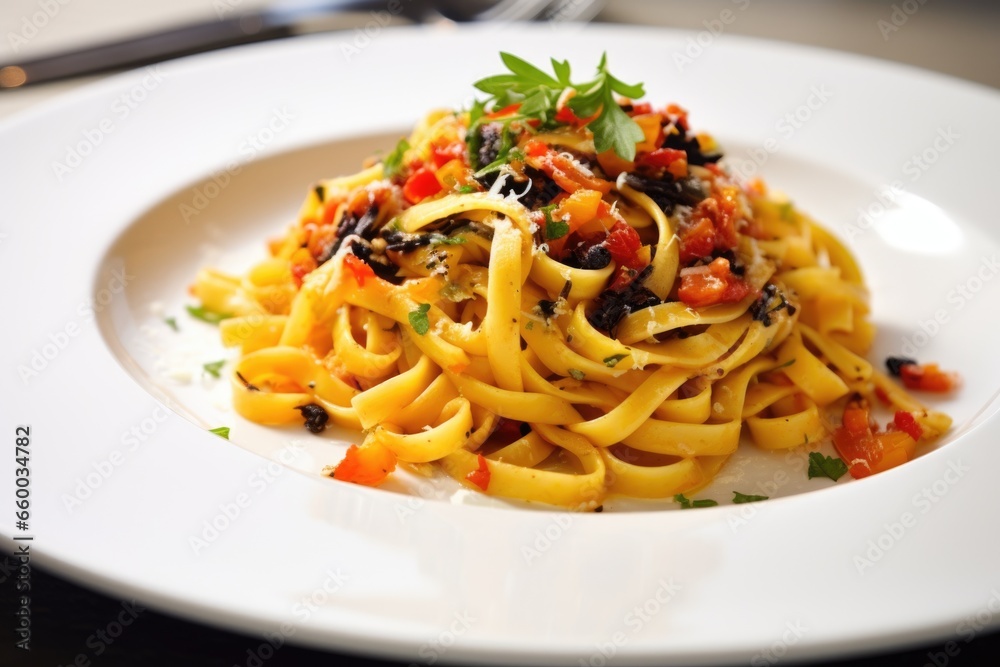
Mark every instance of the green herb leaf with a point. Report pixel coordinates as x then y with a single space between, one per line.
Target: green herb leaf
740 498
786 364
530 325
538 94
221 431
826 466
206 315
614 129
468 189
554 229
418 319
441 239
576 374
613 360
213 368
393 163
172 323
786 210
527 71
687 503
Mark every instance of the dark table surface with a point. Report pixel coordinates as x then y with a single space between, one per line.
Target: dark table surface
66 617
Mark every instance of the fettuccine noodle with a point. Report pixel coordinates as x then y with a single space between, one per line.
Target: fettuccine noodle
560 327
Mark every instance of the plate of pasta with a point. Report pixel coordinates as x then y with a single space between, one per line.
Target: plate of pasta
566 357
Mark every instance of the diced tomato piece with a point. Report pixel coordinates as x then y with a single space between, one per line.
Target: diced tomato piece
663 157
359 269
421 184
302 264
508 110
855 420
442 155
639 108
671 159
928 377
867 452
882 396
907 423
570 176
679 115
481 476
566 115
579 208
623 243
714 285
721 210
697 241
622 278
535 148
369 464
330 211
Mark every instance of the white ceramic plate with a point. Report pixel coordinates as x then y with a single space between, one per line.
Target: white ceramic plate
114 195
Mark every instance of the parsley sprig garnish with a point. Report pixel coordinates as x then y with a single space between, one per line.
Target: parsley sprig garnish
538 93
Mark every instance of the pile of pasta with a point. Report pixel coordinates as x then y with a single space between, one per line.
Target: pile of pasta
558 325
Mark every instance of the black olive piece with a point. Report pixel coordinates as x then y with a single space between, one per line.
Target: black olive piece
315 416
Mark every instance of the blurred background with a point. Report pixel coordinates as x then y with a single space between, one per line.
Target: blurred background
957 38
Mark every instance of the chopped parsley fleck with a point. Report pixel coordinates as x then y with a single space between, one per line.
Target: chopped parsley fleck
576 374
206 315
786 211
786 364
740 498
826 466
213 367
613 360
687 503
172 323
467 189
418 319
530 325
441 239
554 229
393 162
221 431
